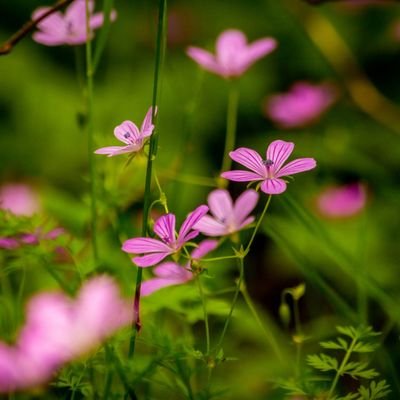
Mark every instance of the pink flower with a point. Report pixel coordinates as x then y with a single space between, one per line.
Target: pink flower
301 105
156 250
227 217
268 171
31 239
129 134
19 198
59 329
70 28
233 54
170 273
342 201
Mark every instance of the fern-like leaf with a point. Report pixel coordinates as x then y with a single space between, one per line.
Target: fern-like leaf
322 362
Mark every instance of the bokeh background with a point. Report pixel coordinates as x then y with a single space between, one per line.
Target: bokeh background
354 46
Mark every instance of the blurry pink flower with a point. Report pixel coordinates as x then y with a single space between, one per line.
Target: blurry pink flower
342 201
19 198
227 217
268 171
301 105
233 54
129 134
29 238
70 28
59 329
170 273
156 250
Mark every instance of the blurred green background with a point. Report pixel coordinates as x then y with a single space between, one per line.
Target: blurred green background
42 143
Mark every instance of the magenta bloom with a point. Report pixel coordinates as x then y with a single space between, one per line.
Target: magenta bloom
129 134
19 198
58 29
156 250
342 201
271 170
170 273
301 105
233 54
59 329
227 217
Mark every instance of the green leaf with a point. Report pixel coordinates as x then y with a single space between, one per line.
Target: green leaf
339 345
322 362
375 391
359 370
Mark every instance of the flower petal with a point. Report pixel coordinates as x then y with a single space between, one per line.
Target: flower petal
244 205
278 152
75 14
241 176
52 24
204 59
127 132
230 49
273 186
97 19
147 126
169 270
144 245
150 259
259 49
296 166
115 150
188 224
164 227
250 159
211 227
48 39
220 203
204 248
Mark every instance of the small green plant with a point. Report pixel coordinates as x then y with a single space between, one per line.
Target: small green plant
350 341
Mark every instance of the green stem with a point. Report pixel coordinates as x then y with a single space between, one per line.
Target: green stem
299 334
204 303
339 372
160 49
234 301
268 334
231 120
92 166
109 376
258 225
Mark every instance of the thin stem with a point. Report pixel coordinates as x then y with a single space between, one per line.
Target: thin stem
109 376
299 334
234 300
258 225
204 303
160 49
267 333
90 132
339 372
231 120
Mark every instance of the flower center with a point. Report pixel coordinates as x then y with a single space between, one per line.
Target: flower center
127 135
268 163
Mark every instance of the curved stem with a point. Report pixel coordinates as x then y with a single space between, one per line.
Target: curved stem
160 46
231 119
92 166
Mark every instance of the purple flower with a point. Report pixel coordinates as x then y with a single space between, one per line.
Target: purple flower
156 250
233 54
59 329
301 105
31 239
227 217
58 29
268 171
129 134
170 273
342 201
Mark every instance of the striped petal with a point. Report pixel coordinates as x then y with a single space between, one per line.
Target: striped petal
241 176
165 228
144 245
273 186
149 260
127 132
250 159
296 166
278 152
188 224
